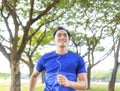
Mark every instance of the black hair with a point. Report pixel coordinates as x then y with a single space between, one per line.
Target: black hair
61 28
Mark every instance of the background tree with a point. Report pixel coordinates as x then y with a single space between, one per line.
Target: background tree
32 51
34 48
116 42
115 69
20 21
94 20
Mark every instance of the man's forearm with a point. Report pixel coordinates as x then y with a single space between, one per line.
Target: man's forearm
32 83
82 85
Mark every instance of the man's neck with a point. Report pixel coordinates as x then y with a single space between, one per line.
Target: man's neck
61 50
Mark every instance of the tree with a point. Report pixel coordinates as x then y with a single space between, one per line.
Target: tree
114 72
32 51
116 42
94 19
20 21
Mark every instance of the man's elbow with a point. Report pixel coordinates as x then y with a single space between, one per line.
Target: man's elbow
85 86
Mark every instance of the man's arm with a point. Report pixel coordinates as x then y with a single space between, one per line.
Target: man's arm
33 80
81 84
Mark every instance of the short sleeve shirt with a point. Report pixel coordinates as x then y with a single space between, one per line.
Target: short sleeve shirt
68 64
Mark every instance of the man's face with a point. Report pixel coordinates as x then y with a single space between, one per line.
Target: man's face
61 38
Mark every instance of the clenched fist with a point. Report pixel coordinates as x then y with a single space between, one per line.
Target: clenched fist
62 80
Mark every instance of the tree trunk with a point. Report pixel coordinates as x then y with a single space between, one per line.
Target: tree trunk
111 86
15 74
42 76
31 68
89 76
31 71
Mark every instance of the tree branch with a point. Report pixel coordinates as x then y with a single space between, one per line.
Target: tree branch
47 22
39 41
11 11
4 52
105 56
31 10
45 11
6 22
24 61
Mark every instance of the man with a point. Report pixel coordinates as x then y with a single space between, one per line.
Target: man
64 70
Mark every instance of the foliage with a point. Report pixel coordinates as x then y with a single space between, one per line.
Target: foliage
100 48
103 76
100 75
4 75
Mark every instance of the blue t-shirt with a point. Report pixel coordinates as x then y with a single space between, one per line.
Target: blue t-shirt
68 64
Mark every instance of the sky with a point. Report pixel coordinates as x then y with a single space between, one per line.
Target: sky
4 64
5 67
105 65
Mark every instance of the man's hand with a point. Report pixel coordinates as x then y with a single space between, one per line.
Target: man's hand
62 80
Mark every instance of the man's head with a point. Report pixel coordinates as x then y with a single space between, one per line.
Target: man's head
61 28
61 37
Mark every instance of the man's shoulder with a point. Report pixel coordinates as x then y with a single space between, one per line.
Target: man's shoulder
74 54
48 53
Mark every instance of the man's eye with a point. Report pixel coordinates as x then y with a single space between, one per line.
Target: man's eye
65 35
59 35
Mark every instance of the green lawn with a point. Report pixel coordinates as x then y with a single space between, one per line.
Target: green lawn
4 86
37 88
94 87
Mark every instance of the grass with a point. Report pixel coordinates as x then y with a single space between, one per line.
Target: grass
102 86
4 86
94 87
39 87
